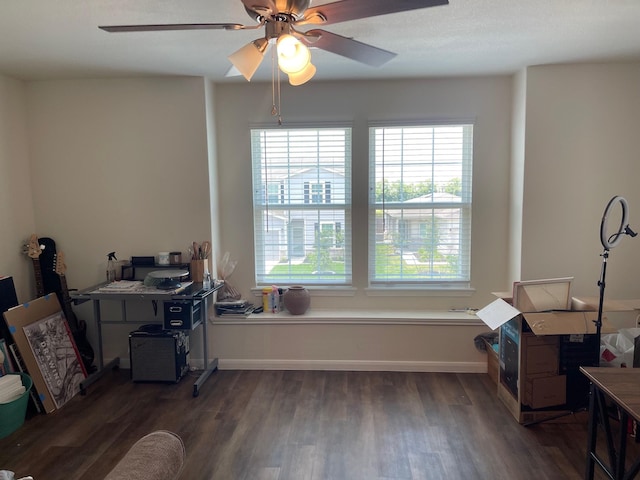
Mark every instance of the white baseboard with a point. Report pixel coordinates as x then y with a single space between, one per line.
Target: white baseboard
351 365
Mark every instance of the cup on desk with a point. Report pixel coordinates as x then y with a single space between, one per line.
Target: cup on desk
120 264
163 258
198 269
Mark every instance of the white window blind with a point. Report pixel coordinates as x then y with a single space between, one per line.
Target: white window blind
302 205
420 204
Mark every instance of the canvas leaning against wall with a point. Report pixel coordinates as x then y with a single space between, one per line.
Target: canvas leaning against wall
52 346
19 320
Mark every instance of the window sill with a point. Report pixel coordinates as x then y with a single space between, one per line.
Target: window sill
357 317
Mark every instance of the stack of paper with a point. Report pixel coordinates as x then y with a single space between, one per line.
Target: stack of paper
10 388
238 308
122 286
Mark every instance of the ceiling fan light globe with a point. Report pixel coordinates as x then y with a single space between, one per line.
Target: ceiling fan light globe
248 58
293 55
287 45
299 78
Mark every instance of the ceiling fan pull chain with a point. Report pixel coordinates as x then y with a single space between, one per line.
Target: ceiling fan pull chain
275 88
274 109
279 101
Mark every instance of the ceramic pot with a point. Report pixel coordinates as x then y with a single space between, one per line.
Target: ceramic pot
296 299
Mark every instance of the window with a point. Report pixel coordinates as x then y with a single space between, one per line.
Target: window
275 192
302 205
420 204
317 192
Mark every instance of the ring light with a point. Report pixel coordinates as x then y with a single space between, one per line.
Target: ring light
608 242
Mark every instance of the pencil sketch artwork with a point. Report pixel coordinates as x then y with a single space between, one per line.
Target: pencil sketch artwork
53 348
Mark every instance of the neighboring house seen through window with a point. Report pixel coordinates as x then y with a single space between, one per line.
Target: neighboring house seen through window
302 205
420 204
317 192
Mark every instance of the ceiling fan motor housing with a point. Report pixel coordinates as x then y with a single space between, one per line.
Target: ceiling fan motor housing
276 28
261 8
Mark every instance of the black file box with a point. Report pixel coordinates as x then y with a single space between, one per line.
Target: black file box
158 356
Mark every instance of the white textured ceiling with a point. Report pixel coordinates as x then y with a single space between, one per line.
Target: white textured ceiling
46 39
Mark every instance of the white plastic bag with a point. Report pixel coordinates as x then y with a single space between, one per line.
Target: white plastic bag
226 266
616 349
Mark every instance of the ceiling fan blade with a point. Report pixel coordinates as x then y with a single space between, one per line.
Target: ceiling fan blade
172 26
345 10
347 47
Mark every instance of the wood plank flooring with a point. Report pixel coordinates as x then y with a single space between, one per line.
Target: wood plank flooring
298 425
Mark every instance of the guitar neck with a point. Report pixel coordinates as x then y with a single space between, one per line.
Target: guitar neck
65 292
37 271
66 305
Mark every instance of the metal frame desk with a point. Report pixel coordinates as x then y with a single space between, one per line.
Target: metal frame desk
622 387
193 293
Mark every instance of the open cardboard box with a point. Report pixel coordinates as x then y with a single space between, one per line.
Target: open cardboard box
548 308
542 344
21 316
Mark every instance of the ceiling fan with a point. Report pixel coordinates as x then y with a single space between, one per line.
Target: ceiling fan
280 19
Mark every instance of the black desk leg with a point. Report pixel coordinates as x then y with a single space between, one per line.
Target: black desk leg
616 448
622 444
592 434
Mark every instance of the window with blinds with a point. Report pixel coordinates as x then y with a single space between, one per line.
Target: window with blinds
302 205
420 204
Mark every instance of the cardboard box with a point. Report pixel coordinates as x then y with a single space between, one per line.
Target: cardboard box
541 354
592 303
534 366
545 391
21 316
542 295
492 362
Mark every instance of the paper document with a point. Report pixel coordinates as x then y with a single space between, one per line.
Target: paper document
497 313
138 288
121 286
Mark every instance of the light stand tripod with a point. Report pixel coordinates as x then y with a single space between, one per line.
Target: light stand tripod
608 242
598 322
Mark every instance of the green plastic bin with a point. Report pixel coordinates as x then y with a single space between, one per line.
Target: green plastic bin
12 414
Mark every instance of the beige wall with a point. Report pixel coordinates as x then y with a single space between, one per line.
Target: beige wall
16 204
349 346
117 165
143 165
581 150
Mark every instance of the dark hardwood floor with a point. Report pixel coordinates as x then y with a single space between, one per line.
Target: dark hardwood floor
303 425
